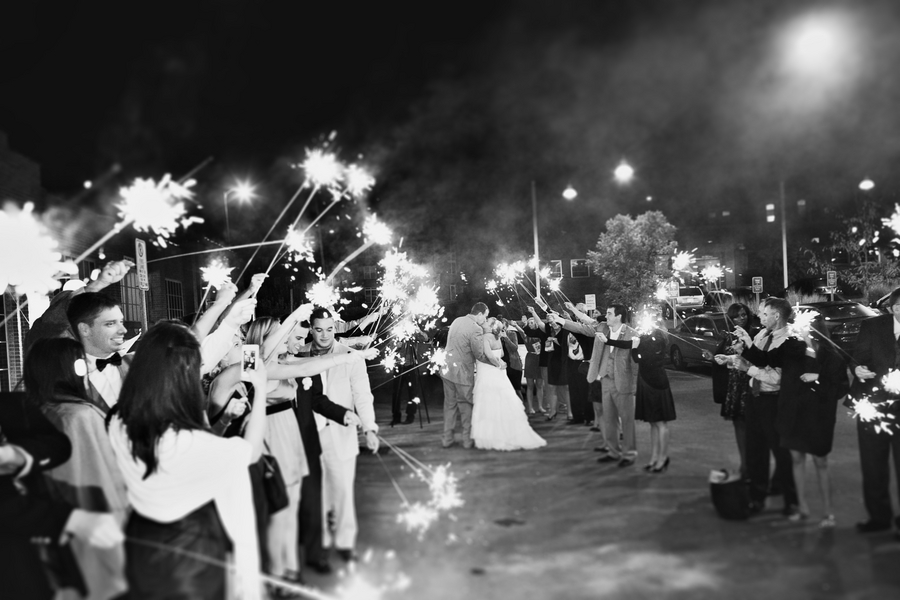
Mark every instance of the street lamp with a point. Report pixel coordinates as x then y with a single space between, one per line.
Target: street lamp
243 191
624 173
866 184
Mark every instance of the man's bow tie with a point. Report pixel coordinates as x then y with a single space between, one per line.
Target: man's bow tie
115 360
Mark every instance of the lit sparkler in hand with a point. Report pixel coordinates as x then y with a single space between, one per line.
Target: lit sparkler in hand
376 232
29 260
323 294
298 246
358 181
216 274
438 361
712 274
646 323
870 412
683 261
802 323
156 208
322 169
391 360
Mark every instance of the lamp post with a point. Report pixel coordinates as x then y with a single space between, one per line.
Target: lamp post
244 192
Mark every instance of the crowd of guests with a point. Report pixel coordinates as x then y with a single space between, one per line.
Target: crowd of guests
178 470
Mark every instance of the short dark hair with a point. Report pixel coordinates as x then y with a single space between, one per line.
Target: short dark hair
478 308
162 390
50 370
894 298
780 305
620 310
85 307
319 313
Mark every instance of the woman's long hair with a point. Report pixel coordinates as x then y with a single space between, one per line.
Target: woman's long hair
260 329
162 390
50 370
733 311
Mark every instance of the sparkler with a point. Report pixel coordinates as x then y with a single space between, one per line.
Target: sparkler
299 246
322 168
646 323
358 181
802 323
216 274
374 232
438 361
869 412
29 259
894 220
323 294
683 261
156 208
712 274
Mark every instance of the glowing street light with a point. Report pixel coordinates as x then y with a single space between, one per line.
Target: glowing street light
569 193
624 172
243 191
866 184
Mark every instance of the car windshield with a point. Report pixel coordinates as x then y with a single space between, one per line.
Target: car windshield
690 291
850 310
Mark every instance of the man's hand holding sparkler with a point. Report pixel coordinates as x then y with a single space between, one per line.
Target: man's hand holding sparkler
111 273
226 294
602 337
743 336
863 373
372 441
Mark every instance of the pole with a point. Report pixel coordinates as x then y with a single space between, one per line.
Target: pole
537 255
227 225
784 237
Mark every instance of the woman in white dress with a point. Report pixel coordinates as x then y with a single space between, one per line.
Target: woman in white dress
499 421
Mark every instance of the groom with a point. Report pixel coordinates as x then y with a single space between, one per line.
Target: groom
465 345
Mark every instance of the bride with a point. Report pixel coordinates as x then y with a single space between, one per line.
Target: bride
499 421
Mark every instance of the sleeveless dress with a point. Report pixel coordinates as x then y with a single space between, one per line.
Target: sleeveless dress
499 421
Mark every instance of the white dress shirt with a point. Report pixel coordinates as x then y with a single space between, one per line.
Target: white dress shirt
108 382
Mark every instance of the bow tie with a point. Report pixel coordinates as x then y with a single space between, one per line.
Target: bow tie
115 360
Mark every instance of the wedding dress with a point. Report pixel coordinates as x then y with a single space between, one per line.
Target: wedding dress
499 421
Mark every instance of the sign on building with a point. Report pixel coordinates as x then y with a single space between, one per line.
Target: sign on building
757 285
140 253
590 301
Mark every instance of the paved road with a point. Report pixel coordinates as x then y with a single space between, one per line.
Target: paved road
555 524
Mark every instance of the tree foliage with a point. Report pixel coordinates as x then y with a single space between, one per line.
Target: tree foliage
626 255
850 250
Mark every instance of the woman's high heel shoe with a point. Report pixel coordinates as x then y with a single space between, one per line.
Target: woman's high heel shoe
648 466
661 468
551 417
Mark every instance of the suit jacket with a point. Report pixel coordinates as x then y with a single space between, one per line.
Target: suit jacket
314 400
876 349
348 386
31 516
624 371
465 345
513 360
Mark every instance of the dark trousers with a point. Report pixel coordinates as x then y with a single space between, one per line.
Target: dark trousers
579 391
410 383
515 378
875 451
762 438
310 520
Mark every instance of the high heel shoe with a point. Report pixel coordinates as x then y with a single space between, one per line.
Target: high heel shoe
661 468
551 417
648 466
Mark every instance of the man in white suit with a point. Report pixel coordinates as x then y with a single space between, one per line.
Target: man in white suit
347 385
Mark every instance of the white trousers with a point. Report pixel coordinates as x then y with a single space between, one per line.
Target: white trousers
282 535
338 477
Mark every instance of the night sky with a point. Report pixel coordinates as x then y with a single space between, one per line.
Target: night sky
458 107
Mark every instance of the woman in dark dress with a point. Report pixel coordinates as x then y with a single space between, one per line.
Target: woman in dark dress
653 403
813 380
189 488
731 387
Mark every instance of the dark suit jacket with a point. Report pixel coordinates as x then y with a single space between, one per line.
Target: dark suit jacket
876 349
33 516
314 400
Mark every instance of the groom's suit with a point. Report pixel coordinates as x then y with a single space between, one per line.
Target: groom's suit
465 345
613 366
877 348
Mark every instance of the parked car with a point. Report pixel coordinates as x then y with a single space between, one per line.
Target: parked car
691 337
842 320
720 300
689 296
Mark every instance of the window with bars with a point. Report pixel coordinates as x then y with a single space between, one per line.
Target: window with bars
131 296
174 299
579 267
555 268
86 268
452 290
371 295
369 272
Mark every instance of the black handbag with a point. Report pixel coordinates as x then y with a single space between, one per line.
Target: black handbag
730 497
273 484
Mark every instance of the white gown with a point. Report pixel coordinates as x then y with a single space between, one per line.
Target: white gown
499 421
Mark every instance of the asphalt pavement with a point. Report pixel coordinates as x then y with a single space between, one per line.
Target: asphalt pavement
554 524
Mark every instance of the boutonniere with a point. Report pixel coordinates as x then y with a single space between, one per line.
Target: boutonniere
307 383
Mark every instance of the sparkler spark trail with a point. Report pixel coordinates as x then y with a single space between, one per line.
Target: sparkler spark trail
216 274
321 168
358 181
376 232
29 260
323 294
802 322
893 221
156 208
298 246
891 382
869 412
683 261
